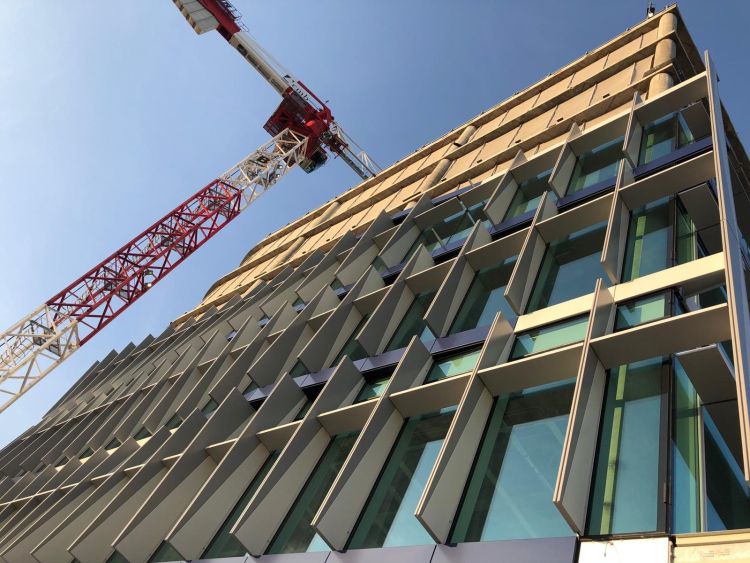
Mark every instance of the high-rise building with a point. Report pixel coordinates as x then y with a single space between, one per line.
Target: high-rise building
527 341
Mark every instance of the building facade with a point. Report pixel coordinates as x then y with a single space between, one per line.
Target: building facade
526 341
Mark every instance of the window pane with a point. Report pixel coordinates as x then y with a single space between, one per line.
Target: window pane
727 504
658 139
509 492
548 337
664 136
647 249
373 388
570 268
626 495
453 365
528 195
686 454
412 323
296 535
644 310
388 518
689 243
224 544
485 298
596 166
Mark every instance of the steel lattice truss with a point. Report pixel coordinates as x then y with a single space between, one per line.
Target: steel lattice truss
36 344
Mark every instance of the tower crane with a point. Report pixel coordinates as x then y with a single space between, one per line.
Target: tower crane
303 132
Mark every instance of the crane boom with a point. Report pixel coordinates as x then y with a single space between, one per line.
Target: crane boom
300 109
302 130
39 342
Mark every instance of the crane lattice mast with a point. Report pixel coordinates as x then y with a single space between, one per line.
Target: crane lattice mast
303 130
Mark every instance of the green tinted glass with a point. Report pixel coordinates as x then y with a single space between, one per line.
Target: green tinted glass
509 492
643 310
548 337
295 534
485 298
412 323
373 388
647 247
223 543
596 165
453 365
626 491
528 194
570 268
388 518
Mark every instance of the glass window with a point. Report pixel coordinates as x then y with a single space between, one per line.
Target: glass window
689 244
686 445
223 543
388 517
570 268
251 386
453 228
664 136
647 248
642 310
549 336
453 365
88 452
709 489
509 492
352 348
165 552
596 165
727 502
412 323
526 198
627 489
373 387
485 298
295 534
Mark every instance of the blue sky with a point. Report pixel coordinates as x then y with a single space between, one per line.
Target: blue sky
111 113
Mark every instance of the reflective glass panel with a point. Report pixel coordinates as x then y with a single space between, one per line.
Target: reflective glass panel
485 298
686 455
549 336
570 268
453 365
527 196
373 388
412 323
596 165
388 517
626 495
664 136
295 534
647 248
643 310
509 491
223 543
